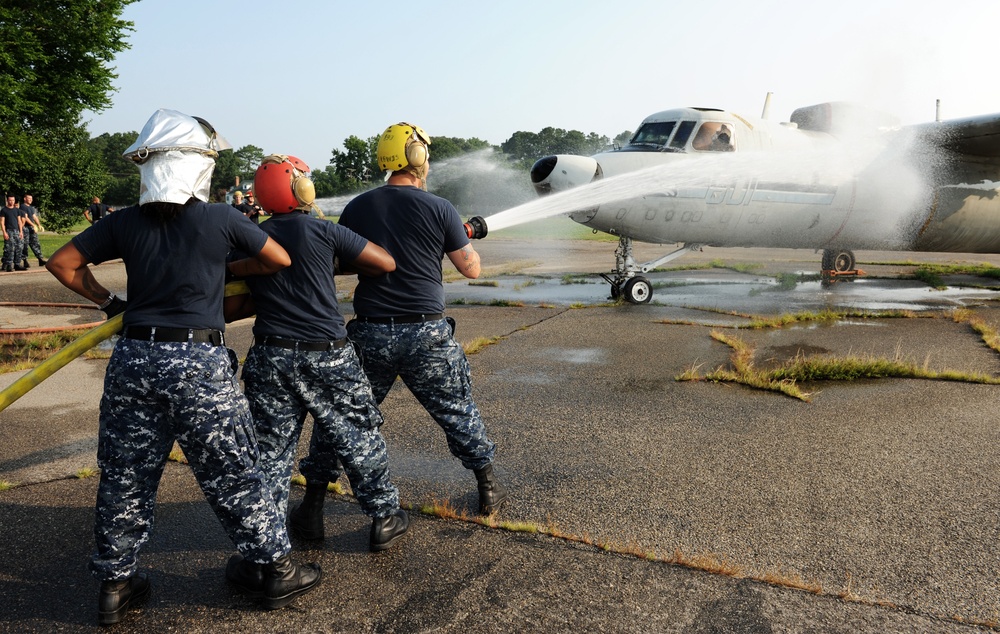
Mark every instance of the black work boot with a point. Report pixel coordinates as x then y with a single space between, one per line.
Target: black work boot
42 261
284 580
116 596
492 494
306 520
247 576
386 530
8 267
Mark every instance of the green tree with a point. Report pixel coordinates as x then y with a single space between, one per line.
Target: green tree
446 147
356 166
55 63
524 148
327 182
123 175
248 159
227 169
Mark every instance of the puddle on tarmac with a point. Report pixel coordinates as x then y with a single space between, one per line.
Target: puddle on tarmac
728 291
573 355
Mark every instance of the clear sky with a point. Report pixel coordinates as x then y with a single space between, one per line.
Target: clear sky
299 78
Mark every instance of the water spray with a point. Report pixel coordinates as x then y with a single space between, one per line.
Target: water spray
476 228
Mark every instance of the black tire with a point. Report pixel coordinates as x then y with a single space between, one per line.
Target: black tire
637 290
839 260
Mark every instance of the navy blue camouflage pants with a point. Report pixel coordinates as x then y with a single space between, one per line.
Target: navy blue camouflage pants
433 366
12 248
30 240
154 394
283 386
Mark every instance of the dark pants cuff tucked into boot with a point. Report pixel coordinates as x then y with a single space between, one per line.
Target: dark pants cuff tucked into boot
306 520
284 580
492 494
386 530
245 575
117 596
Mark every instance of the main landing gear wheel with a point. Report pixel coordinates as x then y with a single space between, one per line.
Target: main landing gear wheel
838 260
637 290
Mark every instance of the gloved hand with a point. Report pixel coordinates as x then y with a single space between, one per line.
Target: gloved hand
116 307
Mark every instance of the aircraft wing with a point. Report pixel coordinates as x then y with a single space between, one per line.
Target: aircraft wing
974 136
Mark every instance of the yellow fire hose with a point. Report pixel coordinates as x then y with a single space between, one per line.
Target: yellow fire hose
88 340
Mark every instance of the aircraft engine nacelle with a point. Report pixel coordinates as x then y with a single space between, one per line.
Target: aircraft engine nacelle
563 171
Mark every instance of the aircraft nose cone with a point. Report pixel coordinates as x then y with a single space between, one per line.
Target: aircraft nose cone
540 171
542 168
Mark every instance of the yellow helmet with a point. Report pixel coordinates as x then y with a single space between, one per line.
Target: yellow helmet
402 145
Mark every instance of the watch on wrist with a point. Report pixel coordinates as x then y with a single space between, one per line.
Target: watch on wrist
106 302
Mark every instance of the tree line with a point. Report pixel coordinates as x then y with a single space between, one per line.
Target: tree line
351 170
50 75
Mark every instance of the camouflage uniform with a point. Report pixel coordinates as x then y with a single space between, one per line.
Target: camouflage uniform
30 238
12 248
284 385
155 393
434 367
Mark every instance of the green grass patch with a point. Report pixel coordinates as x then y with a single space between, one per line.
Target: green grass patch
930 278
51 241
787 319
5 485
492 283
176 455
785 379
25 352
571 278
479 343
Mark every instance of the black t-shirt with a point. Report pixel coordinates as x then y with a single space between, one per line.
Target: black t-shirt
417 228
248 210
29 212
300 302
11 215
97 211
176 270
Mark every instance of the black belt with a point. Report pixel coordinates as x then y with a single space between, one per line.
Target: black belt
401 319
306 346
174 335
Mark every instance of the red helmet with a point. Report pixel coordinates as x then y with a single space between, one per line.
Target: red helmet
281 185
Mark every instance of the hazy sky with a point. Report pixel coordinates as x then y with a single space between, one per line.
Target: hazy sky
299 78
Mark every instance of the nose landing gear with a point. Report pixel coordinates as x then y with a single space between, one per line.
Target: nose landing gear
626 284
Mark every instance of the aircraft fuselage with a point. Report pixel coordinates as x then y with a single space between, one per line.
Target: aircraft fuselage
834 184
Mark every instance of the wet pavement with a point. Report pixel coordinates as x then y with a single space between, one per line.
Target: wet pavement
640 503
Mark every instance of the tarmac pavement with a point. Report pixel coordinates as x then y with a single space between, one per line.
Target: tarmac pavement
639 503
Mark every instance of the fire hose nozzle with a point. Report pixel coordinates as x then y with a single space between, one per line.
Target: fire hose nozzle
476 228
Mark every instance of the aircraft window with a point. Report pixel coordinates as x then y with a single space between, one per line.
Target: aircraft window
714 137
653 133
683 134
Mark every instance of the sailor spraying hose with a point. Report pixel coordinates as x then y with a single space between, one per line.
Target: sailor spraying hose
399 322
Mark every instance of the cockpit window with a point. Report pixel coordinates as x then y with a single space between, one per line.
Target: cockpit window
714 136
653 133
683 134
